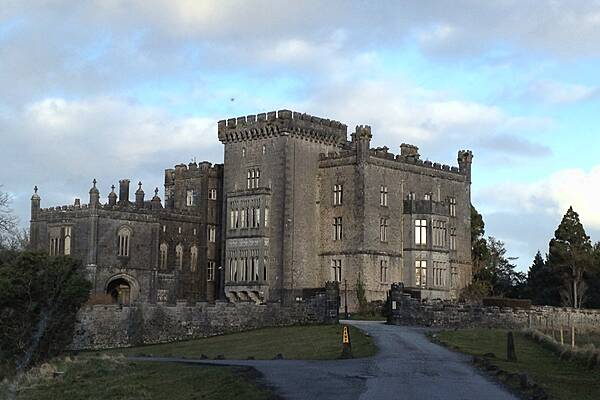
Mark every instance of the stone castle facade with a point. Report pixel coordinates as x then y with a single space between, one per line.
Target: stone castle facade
294 205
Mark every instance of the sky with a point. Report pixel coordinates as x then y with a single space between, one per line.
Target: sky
124 89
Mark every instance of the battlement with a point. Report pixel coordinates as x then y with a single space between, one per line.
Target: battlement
192 170
275 123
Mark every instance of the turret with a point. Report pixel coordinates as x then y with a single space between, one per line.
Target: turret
465 159
94 195
409 151
112 197
35 203
139 196
361 140
155 202
124 191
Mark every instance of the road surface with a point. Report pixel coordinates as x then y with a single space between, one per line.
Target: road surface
408 366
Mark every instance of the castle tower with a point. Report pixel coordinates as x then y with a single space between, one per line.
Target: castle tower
465 160
361 139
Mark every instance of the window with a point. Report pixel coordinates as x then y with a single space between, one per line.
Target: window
336 270
54 246
452 201
164 228
439 233
243 152
210 271
421 273
383 225
266 217
124 236
452 238
243 218
67 239
179 229
427 196
421 231
237 219
193 258
439 274
265 265
212 233
212 194
264 149
233 274
256 218
383 196
255 270
338 194
163 256
411 196
245 270
179 256
253 178
337 228
383 271
189 198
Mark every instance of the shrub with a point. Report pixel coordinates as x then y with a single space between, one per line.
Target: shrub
506 302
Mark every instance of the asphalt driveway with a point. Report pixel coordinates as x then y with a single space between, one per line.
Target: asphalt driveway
408 366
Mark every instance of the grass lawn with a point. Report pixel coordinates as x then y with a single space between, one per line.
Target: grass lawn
310 342
101 378
560 379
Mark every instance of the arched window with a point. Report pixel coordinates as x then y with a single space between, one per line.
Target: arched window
193 258
179 256
67 240
124 237
163 256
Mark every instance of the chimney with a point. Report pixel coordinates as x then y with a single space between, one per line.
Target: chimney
409 151
124 191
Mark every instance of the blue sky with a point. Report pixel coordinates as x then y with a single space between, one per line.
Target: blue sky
115 89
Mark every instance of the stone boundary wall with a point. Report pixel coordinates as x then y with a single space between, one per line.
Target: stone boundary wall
404 310
111 326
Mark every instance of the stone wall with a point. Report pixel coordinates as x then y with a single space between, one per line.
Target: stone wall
404 310
110 326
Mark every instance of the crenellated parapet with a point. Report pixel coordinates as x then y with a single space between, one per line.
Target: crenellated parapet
281 122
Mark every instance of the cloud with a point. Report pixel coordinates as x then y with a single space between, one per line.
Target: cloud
62 144
559 93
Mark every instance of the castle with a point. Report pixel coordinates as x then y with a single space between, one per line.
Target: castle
294 205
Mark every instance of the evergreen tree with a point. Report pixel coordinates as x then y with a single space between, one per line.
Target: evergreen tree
593 279
570 259
479 248
542 284
500 272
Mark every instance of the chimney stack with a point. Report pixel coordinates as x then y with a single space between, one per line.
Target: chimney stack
124 191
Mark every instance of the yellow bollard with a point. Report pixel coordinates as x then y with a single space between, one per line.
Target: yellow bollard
346 345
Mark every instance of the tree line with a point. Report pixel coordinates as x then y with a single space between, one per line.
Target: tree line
567 275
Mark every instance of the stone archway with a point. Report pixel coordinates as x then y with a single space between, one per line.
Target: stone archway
123 289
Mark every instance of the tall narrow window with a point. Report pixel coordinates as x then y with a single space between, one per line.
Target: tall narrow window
237 219
265 268
383 226
383 196
243 152
257 178
179 256
338 194
453 277
337 228
336 270
163 256
245 274
243 217
189 198
266 217
439 274
193 258
452 238
383 271
411 196
67 239
212 194
421 231
212 233
124 237
54 246
439 233
421 273
427 197
256 274
250 178
210 271
452 201
256 218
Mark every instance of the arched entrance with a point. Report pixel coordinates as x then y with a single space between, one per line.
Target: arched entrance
123 289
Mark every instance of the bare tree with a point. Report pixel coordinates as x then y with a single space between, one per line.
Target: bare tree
7 219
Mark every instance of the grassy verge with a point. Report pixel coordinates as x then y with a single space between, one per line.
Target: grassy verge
561 379
101 378
311 342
